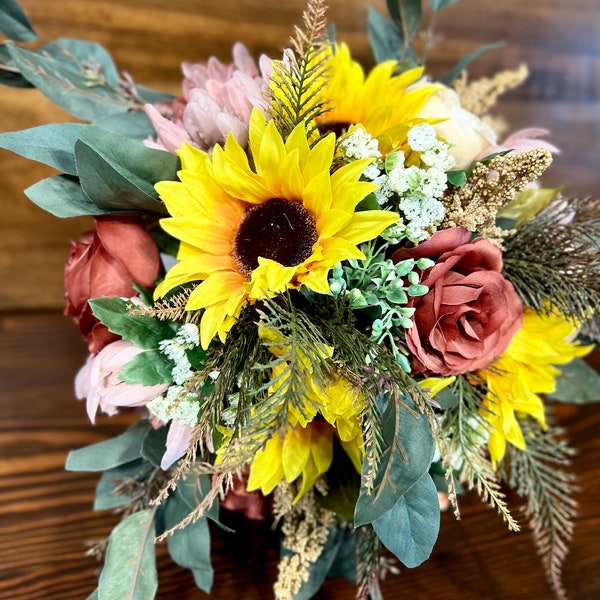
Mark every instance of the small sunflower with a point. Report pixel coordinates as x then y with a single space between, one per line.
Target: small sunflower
526 369
304 448
249 232
381 101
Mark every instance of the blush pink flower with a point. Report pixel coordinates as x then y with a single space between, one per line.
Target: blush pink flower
520 141
217 99
98 381
470 313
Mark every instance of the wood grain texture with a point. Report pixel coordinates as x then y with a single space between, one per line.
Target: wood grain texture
46 517
150 38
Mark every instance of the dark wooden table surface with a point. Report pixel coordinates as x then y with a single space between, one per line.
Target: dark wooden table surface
46 517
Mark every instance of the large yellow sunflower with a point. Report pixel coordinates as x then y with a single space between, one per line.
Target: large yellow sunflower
248 232
381 101
523 371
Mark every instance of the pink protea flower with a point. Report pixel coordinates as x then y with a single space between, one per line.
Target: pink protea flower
217 99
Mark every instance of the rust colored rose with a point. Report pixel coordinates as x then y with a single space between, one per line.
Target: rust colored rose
470 313
104 262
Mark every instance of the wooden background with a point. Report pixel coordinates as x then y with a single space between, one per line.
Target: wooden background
45 515
560 41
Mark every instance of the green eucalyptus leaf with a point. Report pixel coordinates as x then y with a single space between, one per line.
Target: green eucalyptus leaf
152 96
410 528
406 14
189 547
129 571
106 498
62 196
439 4
119 174
385 37
10 74
84 57
409 449
344 563
148 368
578 383
52 144
132 125
154 445
319 569
460 66
142 331
109 453
69 89
14 22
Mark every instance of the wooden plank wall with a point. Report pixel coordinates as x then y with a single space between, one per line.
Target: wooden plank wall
560 41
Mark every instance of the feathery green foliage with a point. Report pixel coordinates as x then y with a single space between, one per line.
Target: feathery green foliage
296 83
465 427
555 257
537 473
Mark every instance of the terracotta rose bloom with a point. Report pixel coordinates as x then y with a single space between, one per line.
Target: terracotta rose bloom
103 263
471 311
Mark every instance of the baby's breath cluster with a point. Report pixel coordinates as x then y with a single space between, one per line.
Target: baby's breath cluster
410 180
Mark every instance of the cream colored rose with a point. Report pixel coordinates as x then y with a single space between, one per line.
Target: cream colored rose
466 133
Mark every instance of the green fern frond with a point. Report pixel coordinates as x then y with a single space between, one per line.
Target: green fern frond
537 474
465 427
297 81
553 260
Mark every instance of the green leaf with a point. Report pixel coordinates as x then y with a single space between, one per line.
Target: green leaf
81 56
409 449
189 547
132 125
10 74
142 331
14 22
109 453
106 498
456 178
344 563
65 86
148 368
410 528
62 197
52 144
193 489
319 569
451 75
154 445
439 4
385 37
119 174
406 14
578 383
129 571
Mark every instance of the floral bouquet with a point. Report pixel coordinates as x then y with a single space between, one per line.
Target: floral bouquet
333 298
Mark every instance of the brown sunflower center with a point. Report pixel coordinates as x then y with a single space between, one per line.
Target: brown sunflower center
338 127
280 230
